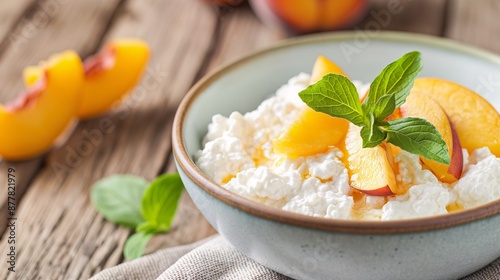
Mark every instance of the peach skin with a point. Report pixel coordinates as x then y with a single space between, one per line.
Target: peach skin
310 16
370 169
476 122
420 106
109 75
30 124
312 132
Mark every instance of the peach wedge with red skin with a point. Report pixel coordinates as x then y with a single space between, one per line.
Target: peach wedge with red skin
476 122
30 124
370 169
423 107
312 132
109 75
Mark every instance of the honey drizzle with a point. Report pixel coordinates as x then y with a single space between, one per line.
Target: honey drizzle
228 178
454 207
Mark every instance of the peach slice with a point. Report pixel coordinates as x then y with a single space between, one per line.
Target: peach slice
31 74
476 122
312 132
109 75
30 124
370 169
420 106
324 66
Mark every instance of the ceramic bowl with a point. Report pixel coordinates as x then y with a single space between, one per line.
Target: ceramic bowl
441 247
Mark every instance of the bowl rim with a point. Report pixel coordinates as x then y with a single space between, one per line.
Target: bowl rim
185 162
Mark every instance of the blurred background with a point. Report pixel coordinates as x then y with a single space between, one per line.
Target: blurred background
62 236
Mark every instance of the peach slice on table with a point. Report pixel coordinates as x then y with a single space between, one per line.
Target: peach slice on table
476 122
370 169
30 124
109 75
418 105
312 132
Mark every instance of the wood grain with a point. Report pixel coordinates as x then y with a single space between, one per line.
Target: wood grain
423 16
241 33
11 12
62 237
48 27
69 24
475 22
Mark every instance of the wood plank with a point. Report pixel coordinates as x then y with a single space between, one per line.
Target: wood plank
475 22
423 16
240 33
24 172
62 236
71 25
53 26
11 12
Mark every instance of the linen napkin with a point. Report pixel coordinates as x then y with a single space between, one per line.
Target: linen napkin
215 258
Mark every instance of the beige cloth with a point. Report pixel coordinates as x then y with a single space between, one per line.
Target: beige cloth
215 258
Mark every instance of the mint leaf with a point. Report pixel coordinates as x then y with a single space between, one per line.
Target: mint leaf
396 79
336 96
371 134
136 245
118 198
129 201
159 203
418 136
384 107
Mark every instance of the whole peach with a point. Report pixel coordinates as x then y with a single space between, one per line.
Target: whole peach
306 16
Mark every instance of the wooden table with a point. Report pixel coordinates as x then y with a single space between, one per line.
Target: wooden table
59 235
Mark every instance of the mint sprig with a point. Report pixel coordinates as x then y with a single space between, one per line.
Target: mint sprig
118 198
133 202
396 79
159 203
136 244
337 96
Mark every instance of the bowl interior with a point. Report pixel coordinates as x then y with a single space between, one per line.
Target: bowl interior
243 85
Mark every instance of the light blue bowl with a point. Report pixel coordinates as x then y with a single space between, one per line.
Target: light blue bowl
442 247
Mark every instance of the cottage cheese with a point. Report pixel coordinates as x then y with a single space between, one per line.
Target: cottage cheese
238 154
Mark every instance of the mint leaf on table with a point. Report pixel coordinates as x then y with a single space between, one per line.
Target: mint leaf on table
119 198
418 136
336 96
159 203
396 79
136 245
133 202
